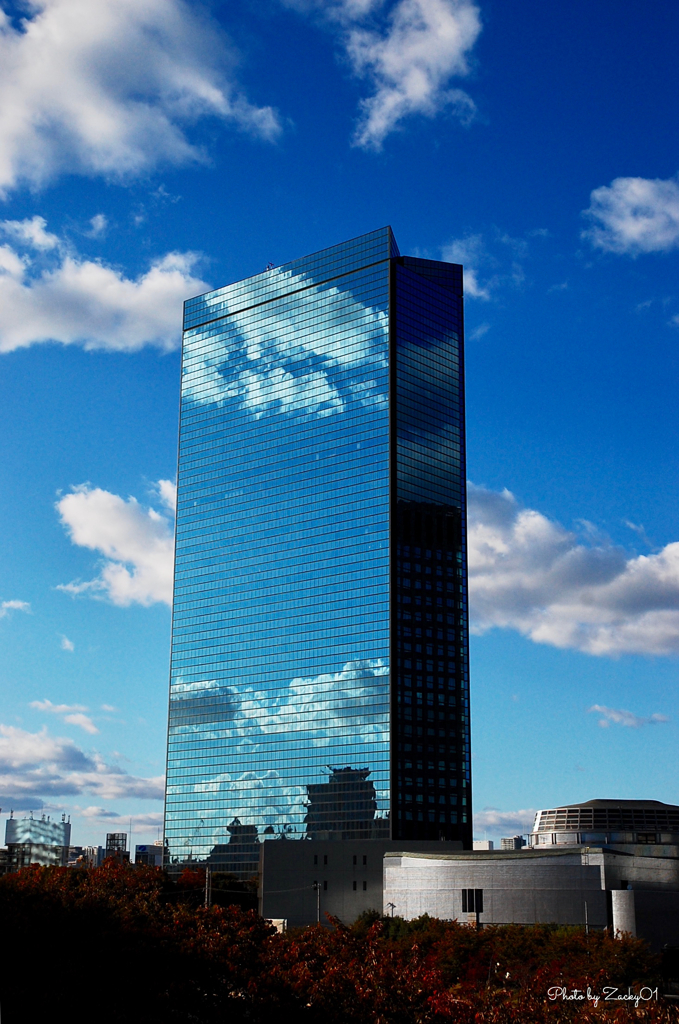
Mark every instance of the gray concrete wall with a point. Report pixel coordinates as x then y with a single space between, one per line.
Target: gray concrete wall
288 869
520 889
643 867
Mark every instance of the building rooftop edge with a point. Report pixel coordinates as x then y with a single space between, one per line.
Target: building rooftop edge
605 803
529 853
307 256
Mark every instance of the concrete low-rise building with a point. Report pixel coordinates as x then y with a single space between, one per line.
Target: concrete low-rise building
302 881
628 881
150 854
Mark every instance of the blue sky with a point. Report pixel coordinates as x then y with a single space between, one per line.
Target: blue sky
153 149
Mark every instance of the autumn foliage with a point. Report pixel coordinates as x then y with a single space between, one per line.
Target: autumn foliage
131 944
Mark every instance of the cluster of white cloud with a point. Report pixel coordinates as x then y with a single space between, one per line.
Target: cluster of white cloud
254 798
7 607
508 823
635 215
526 572
37 765
353 701
109 87
73 714
408 51
280 390
139 822
620 717
336 703
72 300
490 263
264 363
410 63
471 253
136 542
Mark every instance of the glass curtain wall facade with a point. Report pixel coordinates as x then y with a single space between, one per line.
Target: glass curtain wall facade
319 680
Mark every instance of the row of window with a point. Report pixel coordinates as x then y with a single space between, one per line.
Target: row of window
277 281
284 280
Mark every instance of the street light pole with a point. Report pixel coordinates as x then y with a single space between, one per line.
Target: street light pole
317 887
208 887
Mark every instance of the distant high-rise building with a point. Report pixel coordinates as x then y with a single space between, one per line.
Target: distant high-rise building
319 676
512 843
32 840
116 846
41 831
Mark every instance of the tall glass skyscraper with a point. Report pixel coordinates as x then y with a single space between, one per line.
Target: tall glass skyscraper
319 677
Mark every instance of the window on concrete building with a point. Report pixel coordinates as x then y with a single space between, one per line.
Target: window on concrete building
325 885
472 901
355 885
365 887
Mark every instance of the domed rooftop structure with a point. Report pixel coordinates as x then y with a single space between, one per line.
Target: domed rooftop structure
604 822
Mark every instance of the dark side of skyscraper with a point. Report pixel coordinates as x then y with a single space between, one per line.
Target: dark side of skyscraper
319 677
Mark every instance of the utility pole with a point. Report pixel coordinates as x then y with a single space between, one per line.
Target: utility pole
586 920
393 908
317 887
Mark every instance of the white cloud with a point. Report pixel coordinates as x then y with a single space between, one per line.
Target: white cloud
264 365
491 263
31 232
410 62
254 798
66 644
167 492
137 544
635 215
98 813
526 572
43 766
7 607
471 253
310 393
506 823
621 717
154 820
335 702
98 225
71 713
76 301
478 332
109 87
